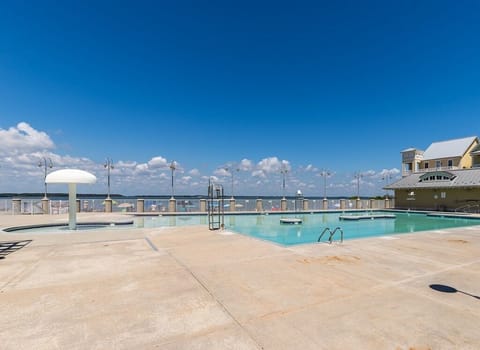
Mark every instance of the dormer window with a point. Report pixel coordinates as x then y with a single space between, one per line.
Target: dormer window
437 176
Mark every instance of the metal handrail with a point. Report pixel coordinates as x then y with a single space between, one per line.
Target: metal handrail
467 206
462 207
332 233
323 232
476 206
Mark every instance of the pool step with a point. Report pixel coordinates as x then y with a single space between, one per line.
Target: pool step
367 217
291 221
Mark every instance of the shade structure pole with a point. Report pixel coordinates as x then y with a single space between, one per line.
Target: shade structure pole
72 206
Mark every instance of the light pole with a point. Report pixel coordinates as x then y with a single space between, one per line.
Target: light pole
387 177
284 172
173 167
325 174
358 176
231 170
45 163
109 166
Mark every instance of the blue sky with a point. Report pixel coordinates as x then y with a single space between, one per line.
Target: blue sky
343 86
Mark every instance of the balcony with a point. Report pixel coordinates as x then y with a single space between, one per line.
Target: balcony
442 168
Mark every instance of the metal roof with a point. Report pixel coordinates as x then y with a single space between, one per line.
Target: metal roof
463 178
410 149
448 149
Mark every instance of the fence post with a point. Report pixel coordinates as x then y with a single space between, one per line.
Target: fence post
108 205
305 204
46 206
203 205
16 206
140 205
358 204
172 205
259 205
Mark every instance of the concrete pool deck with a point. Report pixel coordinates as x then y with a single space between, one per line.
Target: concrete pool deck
191 288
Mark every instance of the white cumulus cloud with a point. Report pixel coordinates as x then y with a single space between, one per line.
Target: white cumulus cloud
221 172
157 162
273 165
126 164
23 138
245 165
194 172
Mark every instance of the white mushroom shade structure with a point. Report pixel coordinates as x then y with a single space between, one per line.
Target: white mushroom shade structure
72 177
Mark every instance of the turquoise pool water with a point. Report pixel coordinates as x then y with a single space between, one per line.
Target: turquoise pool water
268 227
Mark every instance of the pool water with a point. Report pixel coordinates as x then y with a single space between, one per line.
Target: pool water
170 220
268 227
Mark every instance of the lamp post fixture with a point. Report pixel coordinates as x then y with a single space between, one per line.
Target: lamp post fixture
173 167
387 177
45 163
325 174
109 166
284 172
358 176
232 170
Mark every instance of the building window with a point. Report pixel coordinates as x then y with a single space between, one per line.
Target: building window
443 195
426 165
450 163
438 164
437 176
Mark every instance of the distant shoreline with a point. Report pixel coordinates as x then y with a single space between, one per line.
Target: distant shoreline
56 196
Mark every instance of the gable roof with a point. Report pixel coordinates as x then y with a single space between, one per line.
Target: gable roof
475 150
448 149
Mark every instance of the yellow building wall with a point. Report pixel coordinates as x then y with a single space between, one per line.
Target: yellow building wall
467 161
431 199
443 162
464 162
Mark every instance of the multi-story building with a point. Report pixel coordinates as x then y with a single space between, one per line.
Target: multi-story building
446 176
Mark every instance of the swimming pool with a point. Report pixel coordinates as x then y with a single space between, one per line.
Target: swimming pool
268 227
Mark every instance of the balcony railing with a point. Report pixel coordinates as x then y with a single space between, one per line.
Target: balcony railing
442 168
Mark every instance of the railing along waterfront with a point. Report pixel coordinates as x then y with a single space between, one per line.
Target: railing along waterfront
185 204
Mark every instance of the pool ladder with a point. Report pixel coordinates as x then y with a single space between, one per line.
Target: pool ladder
332 233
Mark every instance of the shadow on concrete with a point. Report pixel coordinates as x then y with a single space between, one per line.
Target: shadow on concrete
447 289
11 247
